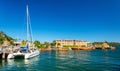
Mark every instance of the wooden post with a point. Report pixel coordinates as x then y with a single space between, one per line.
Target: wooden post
3 55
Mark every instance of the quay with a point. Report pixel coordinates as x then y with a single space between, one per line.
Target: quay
4 51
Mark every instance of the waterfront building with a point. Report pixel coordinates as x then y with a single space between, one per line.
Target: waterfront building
89 44
16 43
78 43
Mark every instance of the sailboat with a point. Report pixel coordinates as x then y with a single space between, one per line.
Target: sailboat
29 50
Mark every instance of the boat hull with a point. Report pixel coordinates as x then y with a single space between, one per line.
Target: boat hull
32 54
25 55
10 56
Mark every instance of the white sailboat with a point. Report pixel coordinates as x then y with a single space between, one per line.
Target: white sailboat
28 51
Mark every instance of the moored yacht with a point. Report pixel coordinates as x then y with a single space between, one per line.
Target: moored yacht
29 50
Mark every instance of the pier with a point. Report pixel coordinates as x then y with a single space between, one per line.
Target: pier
4 51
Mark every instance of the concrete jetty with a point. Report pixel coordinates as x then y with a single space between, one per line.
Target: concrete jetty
4 51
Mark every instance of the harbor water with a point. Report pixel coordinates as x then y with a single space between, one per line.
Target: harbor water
80 60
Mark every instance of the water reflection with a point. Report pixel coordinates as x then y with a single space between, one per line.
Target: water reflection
10 62
14 63
73 54
26 61
2 63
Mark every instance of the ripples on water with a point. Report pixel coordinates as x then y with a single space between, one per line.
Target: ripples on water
95 60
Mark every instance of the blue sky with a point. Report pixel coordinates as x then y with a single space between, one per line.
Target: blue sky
91 20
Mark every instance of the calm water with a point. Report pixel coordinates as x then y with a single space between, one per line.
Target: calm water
95 60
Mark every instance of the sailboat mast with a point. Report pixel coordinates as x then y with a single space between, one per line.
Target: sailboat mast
27 23
29 28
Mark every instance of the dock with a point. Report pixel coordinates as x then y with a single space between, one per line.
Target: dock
4 51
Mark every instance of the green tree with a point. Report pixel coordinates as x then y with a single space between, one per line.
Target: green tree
37 44
4 37
46 44
53 44
1 37
23 42
42 46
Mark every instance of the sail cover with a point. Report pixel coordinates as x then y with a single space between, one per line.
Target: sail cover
24 48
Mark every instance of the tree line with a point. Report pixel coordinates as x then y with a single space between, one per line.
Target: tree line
38 44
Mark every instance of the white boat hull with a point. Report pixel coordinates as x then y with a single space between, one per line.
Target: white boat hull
32 54
26 55
10 56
